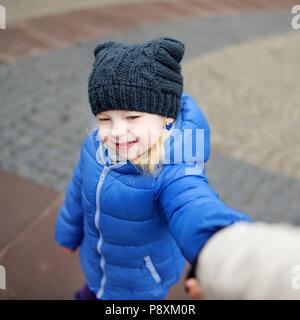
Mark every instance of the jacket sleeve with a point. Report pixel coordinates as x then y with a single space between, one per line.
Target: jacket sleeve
193 210
69 223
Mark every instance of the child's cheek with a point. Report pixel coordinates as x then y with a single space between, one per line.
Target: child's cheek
104 136
142 146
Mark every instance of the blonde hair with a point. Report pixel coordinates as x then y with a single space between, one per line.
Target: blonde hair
149 162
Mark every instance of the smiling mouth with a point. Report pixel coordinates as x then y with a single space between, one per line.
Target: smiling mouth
126 145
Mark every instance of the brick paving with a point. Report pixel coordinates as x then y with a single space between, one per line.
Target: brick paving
40 34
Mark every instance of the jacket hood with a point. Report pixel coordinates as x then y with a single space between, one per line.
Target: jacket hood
188 142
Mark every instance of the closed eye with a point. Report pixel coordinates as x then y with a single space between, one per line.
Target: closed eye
133 117
130 118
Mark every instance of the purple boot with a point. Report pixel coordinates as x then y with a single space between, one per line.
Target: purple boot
85 294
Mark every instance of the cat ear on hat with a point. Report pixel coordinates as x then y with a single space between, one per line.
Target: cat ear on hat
170 51
102 46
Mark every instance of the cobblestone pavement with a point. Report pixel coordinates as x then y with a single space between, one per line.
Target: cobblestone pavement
19 10
249 92
240 65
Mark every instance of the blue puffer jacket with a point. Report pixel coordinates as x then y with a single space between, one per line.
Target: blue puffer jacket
136 232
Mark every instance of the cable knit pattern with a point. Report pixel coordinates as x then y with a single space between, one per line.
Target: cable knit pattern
143 77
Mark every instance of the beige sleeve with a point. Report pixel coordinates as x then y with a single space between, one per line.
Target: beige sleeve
251 261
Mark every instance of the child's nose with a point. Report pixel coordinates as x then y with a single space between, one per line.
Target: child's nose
119 131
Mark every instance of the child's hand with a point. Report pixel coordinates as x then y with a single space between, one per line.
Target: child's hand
193 289
69 250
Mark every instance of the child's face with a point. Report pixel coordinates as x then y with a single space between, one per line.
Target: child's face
130 133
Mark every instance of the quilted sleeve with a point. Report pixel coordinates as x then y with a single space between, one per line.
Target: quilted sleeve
193 210
69 223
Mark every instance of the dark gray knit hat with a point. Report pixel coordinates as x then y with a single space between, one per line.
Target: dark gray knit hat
142 77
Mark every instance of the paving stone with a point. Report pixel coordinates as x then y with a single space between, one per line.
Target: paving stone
21 201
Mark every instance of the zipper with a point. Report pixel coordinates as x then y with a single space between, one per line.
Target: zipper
97 224
102 177
152 270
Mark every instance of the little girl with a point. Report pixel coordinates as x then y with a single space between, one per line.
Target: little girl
138 204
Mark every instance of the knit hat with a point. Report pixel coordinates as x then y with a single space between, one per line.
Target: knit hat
141 77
